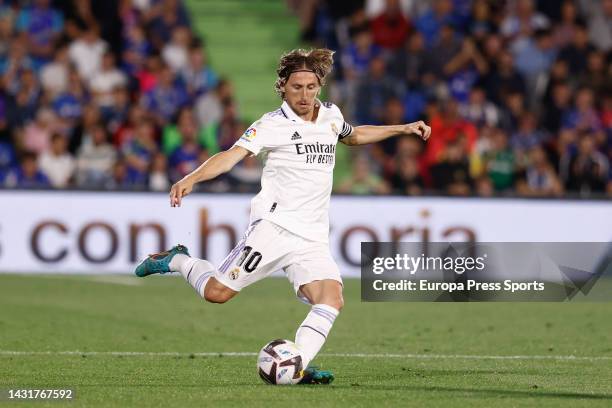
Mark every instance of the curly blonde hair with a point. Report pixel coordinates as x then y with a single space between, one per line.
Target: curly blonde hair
318 61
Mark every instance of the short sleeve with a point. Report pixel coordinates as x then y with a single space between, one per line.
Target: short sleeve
345 128
253 138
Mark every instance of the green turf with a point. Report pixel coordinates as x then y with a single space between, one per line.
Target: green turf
162 314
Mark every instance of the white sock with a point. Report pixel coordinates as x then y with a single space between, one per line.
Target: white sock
195 271
311 335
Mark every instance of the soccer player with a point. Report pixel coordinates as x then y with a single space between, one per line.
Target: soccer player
289 223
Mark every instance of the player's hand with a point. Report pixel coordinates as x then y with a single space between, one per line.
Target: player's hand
179 190
420 128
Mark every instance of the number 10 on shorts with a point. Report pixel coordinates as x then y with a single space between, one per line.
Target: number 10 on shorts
253 260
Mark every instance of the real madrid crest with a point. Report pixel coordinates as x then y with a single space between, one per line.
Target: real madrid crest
334 128
233 275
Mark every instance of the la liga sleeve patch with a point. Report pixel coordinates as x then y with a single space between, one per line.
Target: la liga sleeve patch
249 134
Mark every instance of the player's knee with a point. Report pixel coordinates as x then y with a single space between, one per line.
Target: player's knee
216 295
337 302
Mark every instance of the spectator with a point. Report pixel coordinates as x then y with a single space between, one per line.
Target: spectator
15 62
526 137
384 151
246 176
390 28
27 175
597 75
358 56
165 16
373 93
42 26
464 69
432 21
446 47
106 80
158 179
523 20
166 97
95 160
500 162
68 104
149 74
117 113
565 29
448 125
135 50
539 178
481 26
584 116
478 110
37 135
228 127
185 157
484 187
198 76
600 16
414 101
21 109
176 53
408 65
576 53
512 110
586 171
87 52
127 131
406 180
118 179
451 175
27 84
56 163
534 57
363 180
54 76
209 107
559 73
139 153
173 135
8 158
560 103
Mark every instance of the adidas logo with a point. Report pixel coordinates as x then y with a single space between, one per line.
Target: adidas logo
296 136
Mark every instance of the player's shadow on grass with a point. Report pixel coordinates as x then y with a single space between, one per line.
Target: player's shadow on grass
535 393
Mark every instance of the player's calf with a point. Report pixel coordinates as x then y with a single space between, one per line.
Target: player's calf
326 298
197 272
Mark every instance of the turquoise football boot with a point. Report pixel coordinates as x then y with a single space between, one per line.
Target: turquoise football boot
160 262
313 375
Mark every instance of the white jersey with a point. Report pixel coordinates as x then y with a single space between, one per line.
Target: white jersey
297 177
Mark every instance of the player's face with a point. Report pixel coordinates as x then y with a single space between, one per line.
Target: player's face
301 91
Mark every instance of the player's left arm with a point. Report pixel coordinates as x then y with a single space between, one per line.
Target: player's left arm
367 134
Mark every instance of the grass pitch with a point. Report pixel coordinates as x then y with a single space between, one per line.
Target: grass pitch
393 354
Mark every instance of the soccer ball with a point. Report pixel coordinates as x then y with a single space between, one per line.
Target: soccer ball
280 362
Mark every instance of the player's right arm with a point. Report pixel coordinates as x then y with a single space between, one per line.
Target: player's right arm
218 164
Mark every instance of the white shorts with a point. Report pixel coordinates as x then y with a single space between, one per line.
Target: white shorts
266 248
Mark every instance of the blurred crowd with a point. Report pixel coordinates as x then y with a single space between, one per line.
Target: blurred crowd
113 94
518 93
119 95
